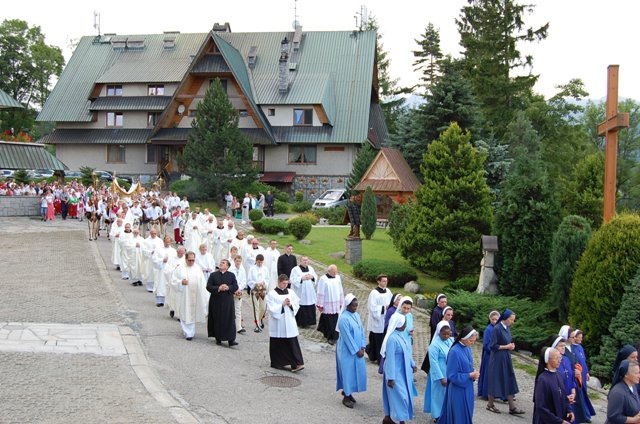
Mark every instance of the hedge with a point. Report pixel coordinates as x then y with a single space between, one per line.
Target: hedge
255 215
468 284
399 274
301 206
300 227
535 324
271 226
280 207
335 216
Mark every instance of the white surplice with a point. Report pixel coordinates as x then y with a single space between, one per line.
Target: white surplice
282 319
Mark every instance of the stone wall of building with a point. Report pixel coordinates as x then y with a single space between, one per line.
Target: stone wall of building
314 185
19 206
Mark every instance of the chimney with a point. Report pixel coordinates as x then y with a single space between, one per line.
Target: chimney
217 27
283 67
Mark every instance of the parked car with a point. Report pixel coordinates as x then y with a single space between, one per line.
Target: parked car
331 199
107 176
72 174
6 173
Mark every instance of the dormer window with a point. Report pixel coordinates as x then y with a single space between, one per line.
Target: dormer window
302 117
155 90
114 90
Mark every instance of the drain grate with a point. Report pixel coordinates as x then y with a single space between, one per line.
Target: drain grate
280 381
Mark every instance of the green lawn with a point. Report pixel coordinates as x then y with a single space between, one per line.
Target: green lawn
328 240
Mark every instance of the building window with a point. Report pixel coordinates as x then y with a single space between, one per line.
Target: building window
114 90
152 157
302 154
243 113
271 112
115 153
115 119
155 90
152 119
223 82
258 158
303 117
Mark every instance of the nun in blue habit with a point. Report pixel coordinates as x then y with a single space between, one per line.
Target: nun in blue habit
483 382
623 403
461 375
551 405
351 369
437 378
397 387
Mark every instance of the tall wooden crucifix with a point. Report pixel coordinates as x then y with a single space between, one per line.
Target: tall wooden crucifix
613 121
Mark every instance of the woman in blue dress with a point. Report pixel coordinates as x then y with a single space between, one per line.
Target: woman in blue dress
566 371
502 378
351 370
483 382
397 387
437 378
461 375
582 360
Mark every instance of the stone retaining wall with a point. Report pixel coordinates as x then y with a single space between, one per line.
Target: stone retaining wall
19 206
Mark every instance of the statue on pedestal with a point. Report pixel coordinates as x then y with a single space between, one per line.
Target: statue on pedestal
353 218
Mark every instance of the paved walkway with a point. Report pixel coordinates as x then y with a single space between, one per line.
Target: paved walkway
59 287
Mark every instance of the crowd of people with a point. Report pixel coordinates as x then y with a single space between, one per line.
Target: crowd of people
208 269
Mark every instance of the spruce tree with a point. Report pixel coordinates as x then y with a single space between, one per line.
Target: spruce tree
368 213
217 151
584 190
428 56
569 241
407 141
526 217
363 160
452 208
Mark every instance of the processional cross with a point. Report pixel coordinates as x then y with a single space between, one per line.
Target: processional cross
613 122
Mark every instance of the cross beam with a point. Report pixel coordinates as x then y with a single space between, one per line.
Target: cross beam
614 121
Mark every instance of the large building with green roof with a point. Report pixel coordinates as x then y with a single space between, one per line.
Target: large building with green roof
307 101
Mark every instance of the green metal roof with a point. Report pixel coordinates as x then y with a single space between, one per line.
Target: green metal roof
27 156
8 102
95 60
98 136
256 135
211 64
123 103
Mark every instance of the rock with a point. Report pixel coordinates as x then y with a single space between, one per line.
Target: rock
323 221
594 383
305 241
337 255
412 287
280 234
421 301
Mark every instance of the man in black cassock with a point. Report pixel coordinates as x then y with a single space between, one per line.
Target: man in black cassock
222 285
287 261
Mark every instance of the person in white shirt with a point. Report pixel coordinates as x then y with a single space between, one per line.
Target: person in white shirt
284 349
241 278
205 261
271 255
379 299
246 202
257 281
192 300
250 254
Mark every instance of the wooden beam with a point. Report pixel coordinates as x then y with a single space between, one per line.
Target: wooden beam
321 115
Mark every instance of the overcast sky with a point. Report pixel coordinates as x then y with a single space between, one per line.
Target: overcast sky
584 36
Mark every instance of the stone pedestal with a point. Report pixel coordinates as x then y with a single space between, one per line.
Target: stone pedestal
353 250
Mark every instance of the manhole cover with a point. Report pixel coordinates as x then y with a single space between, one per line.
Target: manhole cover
280 381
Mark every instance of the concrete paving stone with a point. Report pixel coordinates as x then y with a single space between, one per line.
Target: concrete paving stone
15 335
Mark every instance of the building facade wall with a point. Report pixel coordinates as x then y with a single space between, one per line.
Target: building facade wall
283 115
141 89
95 156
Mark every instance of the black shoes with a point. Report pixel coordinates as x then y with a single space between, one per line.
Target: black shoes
189 338
218 342
347 402
172 314
160 305
233 344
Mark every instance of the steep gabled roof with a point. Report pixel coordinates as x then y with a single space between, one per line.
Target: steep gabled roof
389 172
27 156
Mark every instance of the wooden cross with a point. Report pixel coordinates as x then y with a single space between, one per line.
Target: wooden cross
613 121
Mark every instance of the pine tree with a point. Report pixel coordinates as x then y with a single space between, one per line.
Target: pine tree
452 208
526 217
217 151
368 213
623 329
490 33
569 241
429 55
407 141
363 160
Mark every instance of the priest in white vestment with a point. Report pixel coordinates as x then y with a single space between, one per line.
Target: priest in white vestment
114 234
284 349
165 261
377 304
303 281
205 261
136 258
172 296
230 234
151 244
250 254
192 299
192 233
123 241
271 255
207 234
329 303
257 280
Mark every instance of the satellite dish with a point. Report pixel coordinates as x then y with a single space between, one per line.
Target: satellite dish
181 109
296 24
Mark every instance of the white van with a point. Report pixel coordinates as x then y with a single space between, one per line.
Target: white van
331 199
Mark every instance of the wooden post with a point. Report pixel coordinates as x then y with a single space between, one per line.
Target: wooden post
613 121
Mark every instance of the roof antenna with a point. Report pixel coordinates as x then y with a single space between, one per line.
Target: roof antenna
364 18
296 22
96 21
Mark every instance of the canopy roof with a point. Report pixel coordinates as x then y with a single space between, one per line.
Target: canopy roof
27 156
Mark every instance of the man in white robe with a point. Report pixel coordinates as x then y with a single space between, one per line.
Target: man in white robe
284 349
271 255
219 242
165 260
192 233
241 278
123 241
379 300
207 234
172 295
192 300
205 261
114 235
329 303
250 254
150 245
135 258
230 234
257 280
239 242
303 281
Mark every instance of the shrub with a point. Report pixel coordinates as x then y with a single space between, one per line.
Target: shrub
624 329
468 284
533 324
270 226
255 215
608 264
187 188
368 213
569 242
335 216
300 227
299 196
399 274
238 189
309 216
281 196
302 206
280 207
21 176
